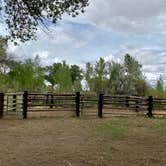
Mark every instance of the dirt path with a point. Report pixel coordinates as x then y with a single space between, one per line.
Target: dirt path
84 142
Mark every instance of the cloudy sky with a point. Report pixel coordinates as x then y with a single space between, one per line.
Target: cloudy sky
108 29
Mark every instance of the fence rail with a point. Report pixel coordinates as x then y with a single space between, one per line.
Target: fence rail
80 104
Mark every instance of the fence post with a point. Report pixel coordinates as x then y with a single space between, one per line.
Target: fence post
52 101
25 104
137 105
14 102
150 106
47 98
127 101
77 101
1 104
100 105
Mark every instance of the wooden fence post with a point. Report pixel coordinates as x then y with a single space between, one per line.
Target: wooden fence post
127 101
14 102
137 105
47 99
77 101
1 104
52 101
25 104
100 105
150 106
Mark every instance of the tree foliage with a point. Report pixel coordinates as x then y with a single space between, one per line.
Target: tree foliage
63 77
27 75
116 78
101 77
23 16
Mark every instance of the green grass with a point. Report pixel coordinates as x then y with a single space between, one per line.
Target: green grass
105 129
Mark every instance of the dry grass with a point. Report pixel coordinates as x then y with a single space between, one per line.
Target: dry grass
115 141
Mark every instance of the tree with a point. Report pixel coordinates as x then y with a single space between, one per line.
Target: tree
63 78
141 87
23 16
76 77
133 73
160 87
6 60
88 76
50 74
6 64
100 73
76 73
27 75
96 76
116 78
59 76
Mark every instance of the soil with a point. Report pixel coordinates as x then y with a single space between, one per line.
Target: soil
116 141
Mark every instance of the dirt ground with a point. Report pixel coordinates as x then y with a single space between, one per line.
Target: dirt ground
116 141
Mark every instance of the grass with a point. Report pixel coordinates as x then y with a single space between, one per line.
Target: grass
122 141
105 129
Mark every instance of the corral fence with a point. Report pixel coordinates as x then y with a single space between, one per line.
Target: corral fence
101 105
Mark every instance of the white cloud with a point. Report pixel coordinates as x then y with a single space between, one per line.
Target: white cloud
112 58
138 16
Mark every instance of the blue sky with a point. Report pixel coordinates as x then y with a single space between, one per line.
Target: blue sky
107 29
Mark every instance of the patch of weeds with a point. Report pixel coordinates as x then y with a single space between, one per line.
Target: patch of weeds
105 130
158 125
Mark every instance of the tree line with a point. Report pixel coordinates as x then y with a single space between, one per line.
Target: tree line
107 77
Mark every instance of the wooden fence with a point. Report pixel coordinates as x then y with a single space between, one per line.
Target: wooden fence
80 104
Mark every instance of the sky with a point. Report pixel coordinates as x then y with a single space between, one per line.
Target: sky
108 29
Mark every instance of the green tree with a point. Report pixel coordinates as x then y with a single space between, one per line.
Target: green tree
76 77
116 78
22 16
59 76
76 73
96 76
141 87
27 75
50 74
6 60
100 76
160 87
6 64
88 76
63 78
133 73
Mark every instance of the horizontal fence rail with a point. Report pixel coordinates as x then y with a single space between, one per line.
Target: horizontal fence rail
80 104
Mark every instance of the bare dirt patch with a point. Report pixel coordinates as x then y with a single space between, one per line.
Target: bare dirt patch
116 141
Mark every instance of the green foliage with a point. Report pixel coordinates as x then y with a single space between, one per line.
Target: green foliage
27 75
101 77
116 78
96 76
5 59
159 86
133 74
64 78
22 17
76 73
158 91
3 45
50 74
